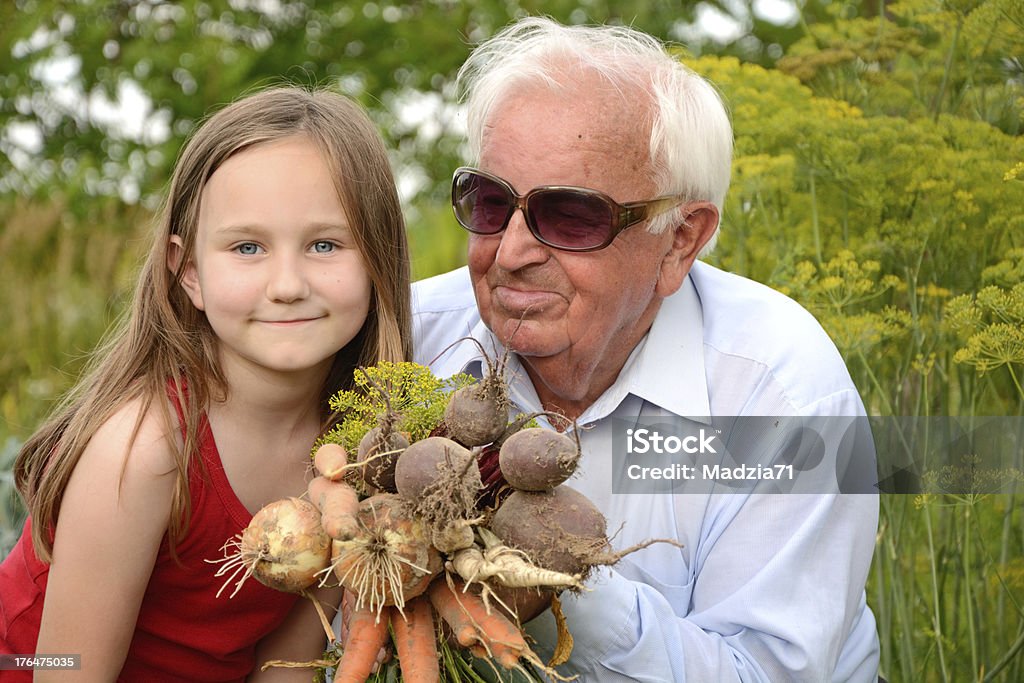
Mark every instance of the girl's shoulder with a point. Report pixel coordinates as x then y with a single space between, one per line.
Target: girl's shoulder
142 435
124 481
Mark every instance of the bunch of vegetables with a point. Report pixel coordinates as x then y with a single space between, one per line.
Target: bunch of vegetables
435 512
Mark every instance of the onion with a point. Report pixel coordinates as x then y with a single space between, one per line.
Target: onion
284 547
391 560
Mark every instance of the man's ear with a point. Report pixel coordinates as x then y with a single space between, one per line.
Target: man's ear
190 276
688 238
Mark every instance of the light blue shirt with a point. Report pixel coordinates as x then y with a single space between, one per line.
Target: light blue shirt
766 587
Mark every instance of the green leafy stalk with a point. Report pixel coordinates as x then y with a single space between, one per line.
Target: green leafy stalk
409 391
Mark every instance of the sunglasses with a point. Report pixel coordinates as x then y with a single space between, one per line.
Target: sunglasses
567 218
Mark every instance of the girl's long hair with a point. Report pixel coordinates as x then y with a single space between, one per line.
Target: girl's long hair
163 344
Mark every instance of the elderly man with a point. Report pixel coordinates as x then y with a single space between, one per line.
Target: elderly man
599 167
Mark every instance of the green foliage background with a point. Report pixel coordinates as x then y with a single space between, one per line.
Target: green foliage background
879 180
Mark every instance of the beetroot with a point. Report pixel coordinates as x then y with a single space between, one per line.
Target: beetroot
435 462
477 414
440 480
537 459
378 452
558 529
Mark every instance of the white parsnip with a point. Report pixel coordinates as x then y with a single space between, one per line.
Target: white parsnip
505 566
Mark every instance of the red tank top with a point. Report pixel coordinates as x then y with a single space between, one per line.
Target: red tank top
184 632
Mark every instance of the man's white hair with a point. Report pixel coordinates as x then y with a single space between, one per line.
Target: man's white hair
691 136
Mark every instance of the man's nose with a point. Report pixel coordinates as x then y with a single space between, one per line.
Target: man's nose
518 246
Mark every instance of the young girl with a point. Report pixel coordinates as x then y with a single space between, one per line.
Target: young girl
280 265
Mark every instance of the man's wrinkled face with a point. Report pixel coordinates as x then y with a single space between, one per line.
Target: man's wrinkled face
544 302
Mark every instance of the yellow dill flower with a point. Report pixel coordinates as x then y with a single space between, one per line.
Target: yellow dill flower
1015 172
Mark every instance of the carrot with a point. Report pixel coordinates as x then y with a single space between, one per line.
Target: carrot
367 633
472 623
415 642
446 605
338 504
330 461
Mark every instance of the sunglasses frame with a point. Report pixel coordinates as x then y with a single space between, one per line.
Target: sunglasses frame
623 215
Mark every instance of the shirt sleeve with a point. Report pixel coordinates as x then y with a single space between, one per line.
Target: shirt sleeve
777 606
775 593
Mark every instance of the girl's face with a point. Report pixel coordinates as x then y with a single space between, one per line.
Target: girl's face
275 267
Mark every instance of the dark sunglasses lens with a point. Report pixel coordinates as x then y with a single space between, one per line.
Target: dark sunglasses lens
481 205
570 219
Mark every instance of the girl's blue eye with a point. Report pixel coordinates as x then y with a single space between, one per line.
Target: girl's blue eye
248 248
323 247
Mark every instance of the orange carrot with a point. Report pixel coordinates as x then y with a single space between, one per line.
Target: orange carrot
447 607
367 633
415 642
338 504
330 460
470 621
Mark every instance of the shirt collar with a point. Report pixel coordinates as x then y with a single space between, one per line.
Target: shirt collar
669 366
